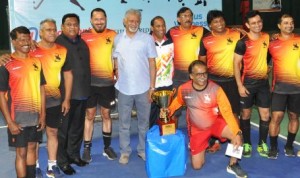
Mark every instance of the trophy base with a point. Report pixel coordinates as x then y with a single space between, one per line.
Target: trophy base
167 128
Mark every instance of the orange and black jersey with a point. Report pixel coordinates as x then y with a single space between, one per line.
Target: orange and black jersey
286 65
53 62
186 46
255 58
22 79
100 46
219 51
204 106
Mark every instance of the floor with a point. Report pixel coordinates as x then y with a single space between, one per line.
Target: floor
215 166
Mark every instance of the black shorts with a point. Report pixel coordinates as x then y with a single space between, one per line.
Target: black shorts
232 93
28 134
281 102
259 95
104 96
53 116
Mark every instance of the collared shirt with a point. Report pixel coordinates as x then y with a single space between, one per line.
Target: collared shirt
133 62
79 57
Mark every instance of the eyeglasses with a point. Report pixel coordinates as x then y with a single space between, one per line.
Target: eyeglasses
204 74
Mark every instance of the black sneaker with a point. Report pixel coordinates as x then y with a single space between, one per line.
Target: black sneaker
289 152
109 153
236 170
273 153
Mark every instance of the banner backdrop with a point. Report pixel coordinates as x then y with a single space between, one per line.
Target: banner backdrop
29 13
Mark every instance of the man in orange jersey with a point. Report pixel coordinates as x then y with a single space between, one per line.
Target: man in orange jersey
100 42
53 59
208 114
285 54
22 101
217 49
251 52
186 38
54 62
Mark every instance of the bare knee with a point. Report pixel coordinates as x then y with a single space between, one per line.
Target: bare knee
51 131
90 114
246 114
21 153
198 160
105 114
293 116
198 165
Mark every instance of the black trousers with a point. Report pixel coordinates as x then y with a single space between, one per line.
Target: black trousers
70 133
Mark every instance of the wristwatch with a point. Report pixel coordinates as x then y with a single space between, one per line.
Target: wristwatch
239 133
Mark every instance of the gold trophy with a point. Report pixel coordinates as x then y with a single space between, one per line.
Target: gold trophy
163 100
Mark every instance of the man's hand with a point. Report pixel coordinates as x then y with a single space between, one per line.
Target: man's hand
4 59
150 93
237 141
33 45
14 128
65 107
243 91
242 31
116 74
42 123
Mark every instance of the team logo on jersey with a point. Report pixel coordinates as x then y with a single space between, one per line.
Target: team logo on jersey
108 40
207 98
194 36
295 46
57 58
229 41
35 67
264 44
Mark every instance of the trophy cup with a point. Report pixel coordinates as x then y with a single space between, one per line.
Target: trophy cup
163 100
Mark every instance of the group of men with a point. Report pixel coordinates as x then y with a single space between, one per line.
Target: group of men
69 75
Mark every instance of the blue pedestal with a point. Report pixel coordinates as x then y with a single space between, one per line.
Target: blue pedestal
166 156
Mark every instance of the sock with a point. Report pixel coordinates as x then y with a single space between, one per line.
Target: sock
290 140
37 163
106 139
263 131
273 142
51 163
30 171
245 127
87 144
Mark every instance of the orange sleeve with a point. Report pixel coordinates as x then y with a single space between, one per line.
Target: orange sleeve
176 103
226 111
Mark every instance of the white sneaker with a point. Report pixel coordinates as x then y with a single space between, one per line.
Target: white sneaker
298 153
124 159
